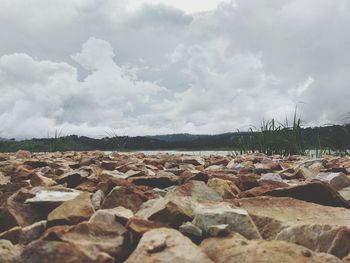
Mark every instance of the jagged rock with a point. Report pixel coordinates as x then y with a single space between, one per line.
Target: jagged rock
345 193
235 249
226 189
15 212
122 196
96 237
321 228
72 211
40 180
8 252
334 240
170 210
337 180
4 180
97 199
237 219
271 177
57 252
197 190
166 245
315 192
110 216
21 154
26 234
189 229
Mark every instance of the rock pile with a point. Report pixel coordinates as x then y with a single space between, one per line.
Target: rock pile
101 208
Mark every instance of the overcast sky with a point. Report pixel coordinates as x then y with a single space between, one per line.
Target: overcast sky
141 67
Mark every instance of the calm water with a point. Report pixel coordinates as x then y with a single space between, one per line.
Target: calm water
205 153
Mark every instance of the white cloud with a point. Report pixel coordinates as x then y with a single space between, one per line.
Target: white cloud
96 65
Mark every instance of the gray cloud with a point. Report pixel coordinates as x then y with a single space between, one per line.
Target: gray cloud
93 66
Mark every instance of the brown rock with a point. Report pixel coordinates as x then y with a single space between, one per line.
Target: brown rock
236 249
166 245
123 196
315 192
8 252
57 252
160 181
14 212
21 154
72 211
226 189
119 214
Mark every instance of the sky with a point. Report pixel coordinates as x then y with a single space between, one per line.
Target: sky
145 67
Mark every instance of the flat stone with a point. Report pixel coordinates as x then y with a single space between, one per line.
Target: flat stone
52 197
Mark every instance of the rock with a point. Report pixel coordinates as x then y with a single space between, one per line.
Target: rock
169 210
21 154
161 181
111 216
72 211
52 197
237 219
106 175
166 245
123 196
236 249
26 234
57 252
271 177
345 193
138 227
36 164
15 212
97 199
266 186
4 180
189 229
314 192
337 180
333 240
218 230
8 252
109 165
40 180
96 237
321 228
226 189
197 190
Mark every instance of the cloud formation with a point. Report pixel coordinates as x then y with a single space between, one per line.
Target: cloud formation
155 69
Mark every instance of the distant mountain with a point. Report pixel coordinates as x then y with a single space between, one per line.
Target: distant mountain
176 137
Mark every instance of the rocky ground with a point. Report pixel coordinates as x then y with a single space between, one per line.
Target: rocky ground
93 207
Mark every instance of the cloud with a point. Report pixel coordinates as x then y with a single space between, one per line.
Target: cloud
97 65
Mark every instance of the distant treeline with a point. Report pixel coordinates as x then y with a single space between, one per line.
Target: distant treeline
335 137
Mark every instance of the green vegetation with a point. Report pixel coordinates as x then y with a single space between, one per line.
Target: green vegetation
292 139
271 138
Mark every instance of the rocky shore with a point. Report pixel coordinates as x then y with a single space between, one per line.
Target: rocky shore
94 207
